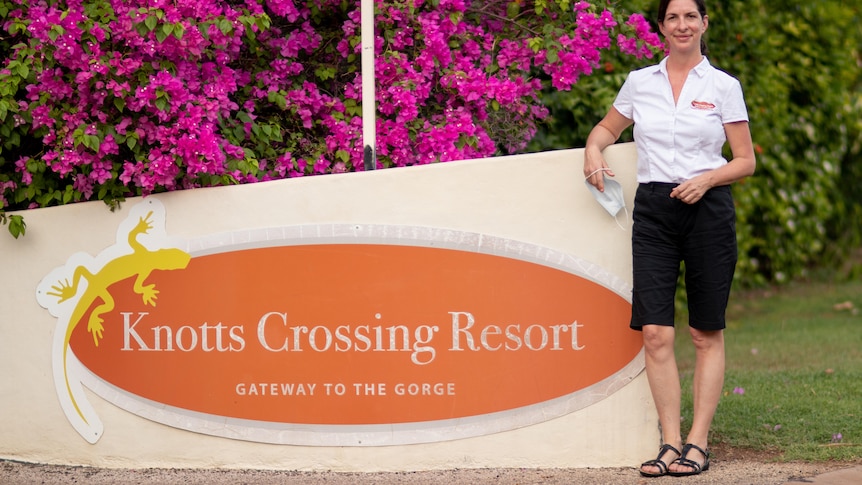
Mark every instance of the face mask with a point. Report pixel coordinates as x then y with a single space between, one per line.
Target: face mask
611 199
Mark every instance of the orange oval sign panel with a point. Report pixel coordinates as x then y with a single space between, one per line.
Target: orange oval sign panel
355 339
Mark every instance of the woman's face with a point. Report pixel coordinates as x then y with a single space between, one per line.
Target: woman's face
683 26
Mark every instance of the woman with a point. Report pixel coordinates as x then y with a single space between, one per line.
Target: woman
683 111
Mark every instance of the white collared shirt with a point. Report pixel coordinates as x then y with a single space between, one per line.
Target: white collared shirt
678 142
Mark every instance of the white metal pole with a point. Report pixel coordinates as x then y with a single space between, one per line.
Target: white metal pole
369 102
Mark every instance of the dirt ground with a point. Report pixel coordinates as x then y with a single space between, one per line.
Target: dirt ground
728 467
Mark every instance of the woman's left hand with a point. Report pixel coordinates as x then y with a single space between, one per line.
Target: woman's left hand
741 166
692 190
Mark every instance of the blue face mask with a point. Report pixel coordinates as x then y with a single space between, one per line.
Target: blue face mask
611 199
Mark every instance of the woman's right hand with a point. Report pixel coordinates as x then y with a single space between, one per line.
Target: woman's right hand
601 136
595 168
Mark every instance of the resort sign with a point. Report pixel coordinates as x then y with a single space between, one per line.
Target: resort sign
333 334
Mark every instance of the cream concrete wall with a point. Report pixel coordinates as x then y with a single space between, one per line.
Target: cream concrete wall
537 198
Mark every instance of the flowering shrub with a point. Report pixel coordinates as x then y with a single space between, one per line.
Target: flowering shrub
104 99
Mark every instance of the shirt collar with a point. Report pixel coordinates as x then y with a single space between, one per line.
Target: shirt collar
700 69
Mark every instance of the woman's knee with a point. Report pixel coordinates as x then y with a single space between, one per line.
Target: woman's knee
706 339
658 337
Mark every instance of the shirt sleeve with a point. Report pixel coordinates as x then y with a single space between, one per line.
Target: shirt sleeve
623 103
733 109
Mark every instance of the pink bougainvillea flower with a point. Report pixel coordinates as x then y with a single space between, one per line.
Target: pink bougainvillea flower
138 97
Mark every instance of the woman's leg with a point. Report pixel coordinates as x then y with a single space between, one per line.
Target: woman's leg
663 377
707 385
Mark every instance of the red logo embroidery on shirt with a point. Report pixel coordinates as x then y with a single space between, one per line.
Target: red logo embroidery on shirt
702 105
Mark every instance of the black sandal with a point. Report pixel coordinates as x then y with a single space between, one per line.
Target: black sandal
685 461
658 463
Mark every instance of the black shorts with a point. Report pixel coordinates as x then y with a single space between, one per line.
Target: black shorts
668 231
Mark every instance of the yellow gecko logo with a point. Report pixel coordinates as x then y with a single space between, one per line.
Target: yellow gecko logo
89 283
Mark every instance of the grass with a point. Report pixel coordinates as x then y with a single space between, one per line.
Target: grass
793 385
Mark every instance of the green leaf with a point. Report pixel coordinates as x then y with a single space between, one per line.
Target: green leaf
16 26
238 132
513 9
352 108
55 32
92 142
77 135
225 26
277 98
23 70
151 21
13 140
325 73
17 226
564 5
263 22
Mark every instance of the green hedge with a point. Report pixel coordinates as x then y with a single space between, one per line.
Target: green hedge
799 65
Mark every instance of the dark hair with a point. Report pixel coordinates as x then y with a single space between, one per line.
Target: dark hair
701 7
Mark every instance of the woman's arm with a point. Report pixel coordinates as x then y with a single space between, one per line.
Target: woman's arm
741 166
604 134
